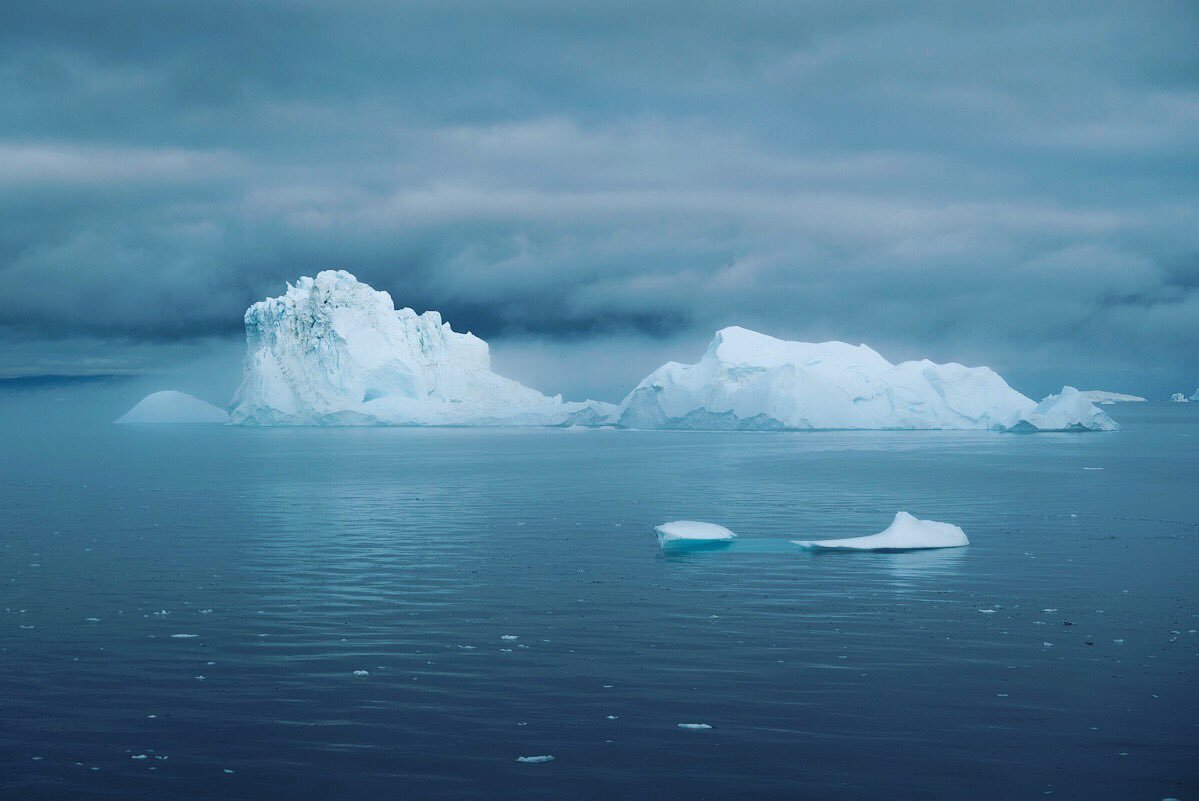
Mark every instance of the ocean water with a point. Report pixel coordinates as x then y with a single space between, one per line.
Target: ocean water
183 611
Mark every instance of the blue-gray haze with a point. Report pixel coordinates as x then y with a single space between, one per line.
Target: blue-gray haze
597 187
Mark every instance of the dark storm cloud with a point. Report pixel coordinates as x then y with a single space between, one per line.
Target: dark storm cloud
1014 185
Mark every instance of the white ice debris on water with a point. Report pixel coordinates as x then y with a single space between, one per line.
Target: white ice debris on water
694 726
1178 397
184 636
536 759
334 351
1105 398
1195 397
691 533
171 406
362 673
748 380
906 533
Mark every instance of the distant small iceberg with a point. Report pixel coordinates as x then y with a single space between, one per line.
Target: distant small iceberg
171 406
1178 397
906 533
692 534
1105 398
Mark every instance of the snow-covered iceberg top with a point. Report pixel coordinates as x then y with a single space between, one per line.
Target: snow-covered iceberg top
683 533
334 351
748 380
906 533
1178 397
1104 398
171 406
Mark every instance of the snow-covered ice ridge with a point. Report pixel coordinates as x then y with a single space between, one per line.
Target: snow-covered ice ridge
748 380
334 351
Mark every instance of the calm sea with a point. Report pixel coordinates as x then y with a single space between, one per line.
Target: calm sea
205 612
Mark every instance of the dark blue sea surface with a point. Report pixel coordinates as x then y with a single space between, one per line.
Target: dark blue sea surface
183 611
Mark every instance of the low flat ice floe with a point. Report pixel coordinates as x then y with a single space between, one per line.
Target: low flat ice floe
906 533
695 726
692 533
536 759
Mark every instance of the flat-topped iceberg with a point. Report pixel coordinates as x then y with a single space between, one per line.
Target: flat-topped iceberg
1105 398
334 351
171 406
692 534
748 380
906 533
1178 397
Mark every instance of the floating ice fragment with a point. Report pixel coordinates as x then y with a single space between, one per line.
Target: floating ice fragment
184 636
692 534
906 533
534 759
361 672
694 726
509 637
139 756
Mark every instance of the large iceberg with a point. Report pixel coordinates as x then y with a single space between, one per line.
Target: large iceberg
171 406
1105 398
906 533
334 351
748 380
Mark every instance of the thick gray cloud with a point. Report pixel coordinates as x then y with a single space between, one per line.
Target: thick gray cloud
1013 185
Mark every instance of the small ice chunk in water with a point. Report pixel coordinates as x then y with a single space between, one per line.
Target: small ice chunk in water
533 759
509 637
361 672
694 726
906 533
692 533
184 636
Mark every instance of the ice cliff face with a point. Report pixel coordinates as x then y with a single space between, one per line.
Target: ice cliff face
334 351
748 380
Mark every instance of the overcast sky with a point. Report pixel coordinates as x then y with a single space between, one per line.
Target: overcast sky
595 190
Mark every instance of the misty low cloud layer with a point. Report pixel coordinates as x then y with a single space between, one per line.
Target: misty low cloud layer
595 190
